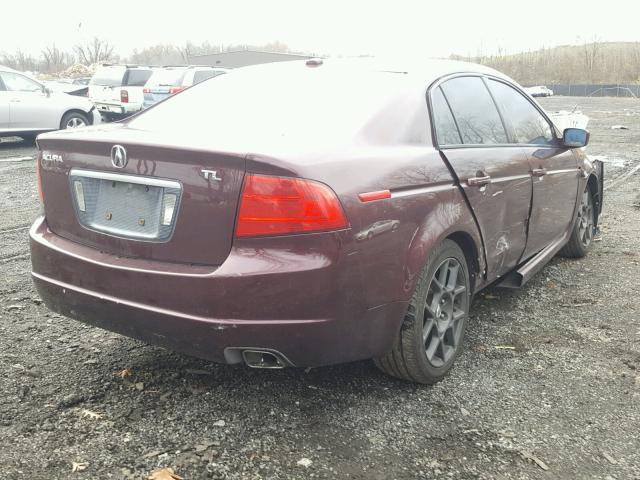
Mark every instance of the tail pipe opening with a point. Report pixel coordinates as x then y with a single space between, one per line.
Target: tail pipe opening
257 357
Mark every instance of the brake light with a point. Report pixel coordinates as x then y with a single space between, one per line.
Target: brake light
39 176
174 90
124 96
282 205
146 90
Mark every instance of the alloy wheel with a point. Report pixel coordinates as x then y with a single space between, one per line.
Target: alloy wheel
76 122
445 309
585 219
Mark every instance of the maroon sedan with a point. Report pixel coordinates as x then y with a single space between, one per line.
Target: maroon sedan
310 213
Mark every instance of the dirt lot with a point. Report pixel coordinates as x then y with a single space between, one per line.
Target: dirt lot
549 385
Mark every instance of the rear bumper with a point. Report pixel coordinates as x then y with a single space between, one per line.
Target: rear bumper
307 307
116 109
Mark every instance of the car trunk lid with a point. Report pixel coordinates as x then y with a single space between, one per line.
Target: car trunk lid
169 202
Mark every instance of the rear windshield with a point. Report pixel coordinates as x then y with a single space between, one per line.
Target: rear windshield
136 77
202 75
108 76
301 104
166 78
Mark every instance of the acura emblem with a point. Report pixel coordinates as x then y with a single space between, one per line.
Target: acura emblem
118 156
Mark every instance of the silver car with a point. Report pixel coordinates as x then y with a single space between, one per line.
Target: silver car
27 107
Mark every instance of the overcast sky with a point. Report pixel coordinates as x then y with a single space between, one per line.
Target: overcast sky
333 27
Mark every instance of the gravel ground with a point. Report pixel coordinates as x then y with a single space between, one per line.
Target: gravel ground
548 387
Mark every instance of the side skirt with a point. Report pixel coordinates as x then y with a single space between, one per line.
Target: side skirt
517 278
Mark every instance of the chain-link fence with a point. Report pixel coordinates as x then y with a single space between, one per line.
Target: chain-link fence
594 90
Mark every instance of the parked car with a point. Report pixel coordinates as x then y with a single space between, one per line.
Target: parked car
168 81
377 228
539 91
116 90
234 236
27 107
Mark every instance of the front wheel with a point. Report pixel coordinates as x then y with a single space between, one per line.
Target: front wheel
583 230
73 120
432 333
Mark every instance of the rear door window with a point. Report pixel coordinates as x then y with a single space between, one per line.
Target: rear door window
529 126
446 130
475 112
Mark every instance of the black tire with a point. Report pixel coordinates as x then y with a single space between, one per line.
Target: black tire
583 230
73 118
421 330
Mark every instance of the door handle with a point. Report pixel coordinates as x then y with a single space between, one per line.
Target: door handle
15 100
479 181
539 172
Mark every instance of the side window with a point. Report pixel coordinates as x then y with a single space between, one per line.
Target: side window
475 113
19 83
529 126
446 129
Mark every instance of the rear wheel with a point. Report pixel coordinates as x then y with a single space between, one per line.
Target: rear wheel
583 230
73 120
433 329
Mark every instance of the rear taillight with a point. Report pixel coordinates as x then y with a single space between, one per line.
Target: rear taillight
146 90
282 205
39 176
174 90
124 96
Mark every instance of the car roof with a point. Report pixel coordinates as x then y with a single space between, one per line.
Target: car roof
428 70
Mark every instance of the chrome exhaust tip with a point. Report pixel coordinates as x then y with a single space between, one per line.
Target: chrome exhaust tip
262 359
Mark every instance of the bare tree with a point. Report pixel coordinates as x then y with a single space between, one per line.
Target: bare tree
55 59
590 56
94 51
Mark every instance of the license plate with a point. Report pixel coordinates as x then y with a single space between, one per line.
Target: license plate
128 209
125 209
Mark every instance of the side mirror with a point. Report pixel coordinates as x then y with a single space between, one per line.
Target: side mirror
575 138
46 91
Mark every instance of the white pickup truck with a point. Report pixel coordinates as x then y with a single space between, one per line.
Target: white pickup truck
116 90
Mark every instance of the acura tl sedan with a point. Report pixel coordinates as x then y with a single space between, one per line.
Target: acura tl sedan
27 107
258 235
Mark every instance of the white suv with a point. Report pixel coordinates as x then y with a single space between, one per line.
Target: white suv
27 107
116 90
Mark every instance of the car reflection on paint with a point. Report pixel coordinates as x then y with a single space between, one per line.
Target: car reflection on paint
377 228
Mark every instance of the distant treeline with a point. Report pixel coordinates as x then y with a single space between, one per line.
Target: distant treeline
594 62
52 59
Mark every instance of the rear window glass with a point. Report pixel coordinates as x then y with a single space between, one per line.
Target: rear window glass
166 78
203 75
475 113
108 76
298 106
137 78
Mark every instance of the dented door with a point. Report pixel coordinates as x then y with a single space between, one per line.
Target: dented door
497 184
